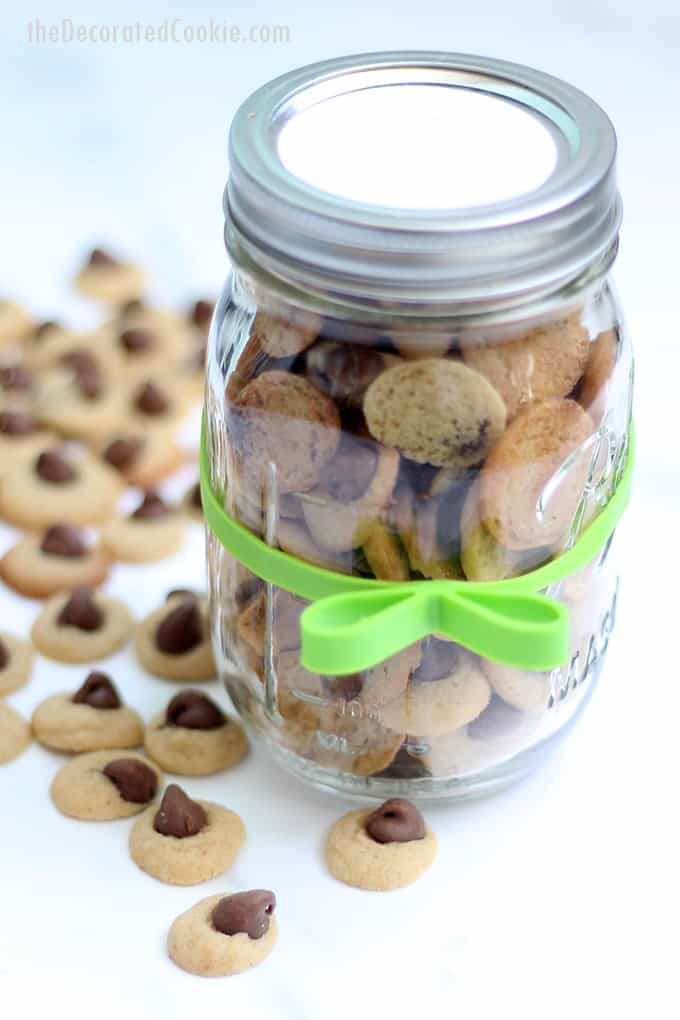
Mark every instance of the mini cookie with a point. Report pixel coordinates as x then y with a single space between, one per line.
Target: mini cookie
55 486
192 503
156 403
15 733
226 935
145 351
107 279
286 612
414 346
21 438
16 663
185 841
345 371
447 690
353 489
15 322
46 343
482 557
526 691
500 732
193 737
59 560
518 472
435 412
152 532
81 626
142 460
104 785
281 338
137 314
385 554
545 362
381 850
599 370
173 641
92 719
78 401
282 419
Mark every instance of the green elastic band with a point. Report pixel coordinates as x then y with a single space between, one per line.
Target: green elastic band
357 622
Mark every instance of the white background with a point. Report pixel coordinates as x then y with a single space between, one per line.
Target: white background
559 896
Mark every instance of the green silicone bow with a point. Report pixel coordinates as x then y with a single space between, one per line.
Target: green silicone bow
357 622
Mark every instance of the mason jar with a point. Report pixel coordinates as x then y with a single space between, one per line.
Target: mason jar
417 429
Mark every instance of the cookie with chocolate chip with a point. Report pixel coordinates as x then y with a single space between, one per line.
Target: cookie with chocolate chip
90 719
153 531
81 626
224 935
173 641
185 841
105 785
108 279
22 438
194 737
381 849
59 485
59 559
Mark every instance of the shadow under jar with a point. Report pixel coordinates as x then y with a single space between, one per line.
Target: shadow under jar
418 370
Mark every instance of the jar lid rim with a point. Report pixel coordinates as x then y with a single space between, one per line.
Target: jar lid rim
470 256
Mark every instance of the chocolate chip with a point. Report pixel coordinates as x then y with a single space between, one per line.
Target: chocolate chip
438 660
195 496
200 314
347 476
17 423
181 630
151 508
194 711
122 453
246 912
133 307
15 377
80 360
137 341
134 780
97 691
179 815
396 821
342 371
4 654
81 611
63 540
100 258
151 400
52 467
89 385
43 328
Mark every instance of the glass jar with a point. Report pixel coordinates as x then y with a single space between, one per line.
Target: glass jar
418 384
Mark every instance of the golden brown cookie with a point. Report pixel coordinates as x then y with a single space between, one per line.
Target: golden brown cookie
106 278
482 557
81 626
58 560
58 486
424 343
224 935
143 345
22 438
194 737
544 362
353 489
520 471
16 663
173 641
381 850
598 372
286 612
46 343
435 411
526 691
155 403
79 400
15 322
104 785
447 690
282 337
15 733
142 459
282 419
345 371
385 554
183 841
93 718
153 531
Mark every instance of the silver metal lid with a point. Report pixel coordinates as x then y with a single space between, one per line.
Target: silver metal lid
424 180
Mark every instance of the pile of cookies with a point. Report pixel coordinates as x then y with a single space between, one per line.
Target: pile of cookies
404 456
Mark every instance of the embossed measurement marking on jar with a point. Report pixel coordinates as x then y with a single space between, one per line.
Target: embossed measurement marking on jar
419 147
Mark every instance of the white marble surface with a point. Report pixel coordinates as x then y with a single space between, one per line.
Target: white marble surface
556 897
